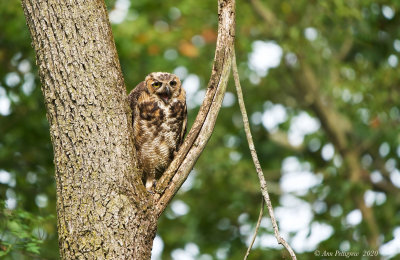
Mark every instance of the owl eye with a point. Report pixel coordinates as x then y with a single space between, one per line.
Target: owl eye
172 83
156 84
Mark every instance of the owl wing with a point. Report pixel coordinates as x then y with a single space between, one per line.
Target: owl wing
134 96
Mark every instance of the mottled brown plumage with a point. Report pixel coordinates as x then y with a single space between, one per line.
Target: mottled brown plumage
159 122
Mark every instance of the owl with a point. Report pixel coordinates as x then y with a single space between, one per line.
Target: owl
159 117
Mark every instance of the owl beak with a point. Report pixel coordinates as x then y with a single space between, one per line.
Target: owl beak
165 94
168 90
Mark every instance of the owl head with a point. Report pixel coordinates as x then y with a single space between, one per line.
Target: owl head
165 85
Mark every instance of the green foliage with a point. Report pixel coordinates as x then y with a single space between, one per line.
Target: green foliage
22 233
352 50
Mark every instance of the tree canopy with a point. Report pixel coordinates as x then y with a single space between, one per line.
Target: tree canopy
320 82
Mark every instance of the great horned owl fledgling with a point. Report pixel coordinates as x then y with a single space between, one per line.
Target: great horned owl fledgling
159 122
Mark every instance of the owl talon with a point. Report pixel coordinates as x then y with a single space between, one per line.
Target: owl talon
152 187
149 184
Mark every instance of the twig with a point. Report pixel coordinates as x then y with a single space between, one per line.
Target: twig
264 12
253 152
256 231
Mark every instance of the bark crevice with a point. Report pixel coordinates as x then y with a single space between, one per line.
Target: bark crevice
102 206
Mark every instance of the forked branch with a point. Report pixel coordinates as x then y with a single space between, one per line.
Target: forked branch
257 227
203 126
253 152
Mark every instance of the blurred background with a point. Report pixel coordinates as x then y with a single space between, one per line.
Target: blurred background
321 85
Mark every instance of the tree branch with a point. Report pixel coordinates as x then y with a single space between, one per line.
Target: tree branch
257 227
253 152
345 48
202 128
264 12
337 128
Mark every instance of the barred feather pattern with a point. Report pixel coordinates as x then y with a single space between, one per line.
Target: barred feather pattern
159 117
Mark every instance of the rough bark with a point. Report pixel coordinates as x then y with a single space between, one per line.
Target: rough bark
102 207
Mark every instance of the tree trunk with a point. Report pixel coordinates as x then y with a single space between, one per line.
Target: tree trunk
103 209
